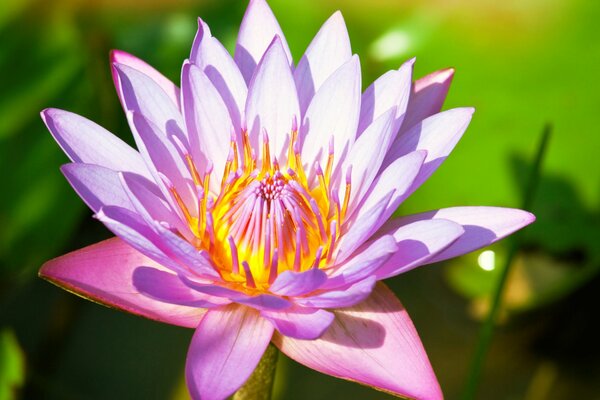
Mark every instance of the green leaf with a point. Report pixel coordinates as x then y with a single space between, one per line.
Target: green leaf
12 365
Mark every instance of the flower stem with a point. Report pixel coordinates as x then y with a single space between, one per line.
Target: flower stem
487 329
260 384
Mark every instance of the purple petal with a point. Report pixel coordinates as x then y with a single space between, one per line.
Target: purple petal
258 29
225 349
417 243
366 157
264 302
202 34
329 49
259 302
163 159
427 98
103 273
86 142
363 263
207 119
167 287
272 103
398 177
121 57
299 322
333 111
361 228
373 343
150 203
140 94
156 242
194 260
134 230
391 89
290 283
346 297
218 65
97 186
483 226
437 135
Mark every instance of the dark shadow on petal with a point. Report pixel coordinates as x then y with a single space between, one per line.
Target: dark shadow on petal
173 129
409 252
219 82
352 331
244 60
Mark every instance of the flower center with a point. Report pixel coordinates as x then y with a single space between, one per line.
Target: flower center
266 219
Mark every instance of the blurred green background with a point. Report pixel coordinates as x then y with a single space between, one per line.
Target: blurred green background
521 63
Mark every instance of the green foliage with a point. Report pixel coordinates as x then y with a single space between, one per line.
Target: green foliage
12 365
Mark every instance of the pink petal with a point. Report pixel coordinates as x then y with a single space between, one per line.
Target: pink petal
483 226
427 98
96 185
392 89
290 283
417 243
437 135
214 60
329 49
225 349
167 287
103 273
272 104
340 298
86 142
121 57
373 343
299 322
333 111
207 119
258 29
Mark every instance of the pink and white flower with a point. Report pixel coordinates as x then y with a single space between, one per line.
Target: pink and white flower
256 207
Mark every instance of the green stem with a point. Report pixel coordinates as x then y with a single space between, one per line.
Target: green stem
487 329
260 384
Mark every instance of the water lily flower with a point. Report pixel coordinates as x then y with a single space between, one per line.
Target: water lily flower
255 208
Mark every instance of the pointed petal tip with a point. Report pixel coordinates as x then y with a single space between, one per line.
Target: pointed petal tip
466 112
116 56
337 20
410 62
51 113
527 218
44 271
443 75
201 24
337 15
531 218
44 113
